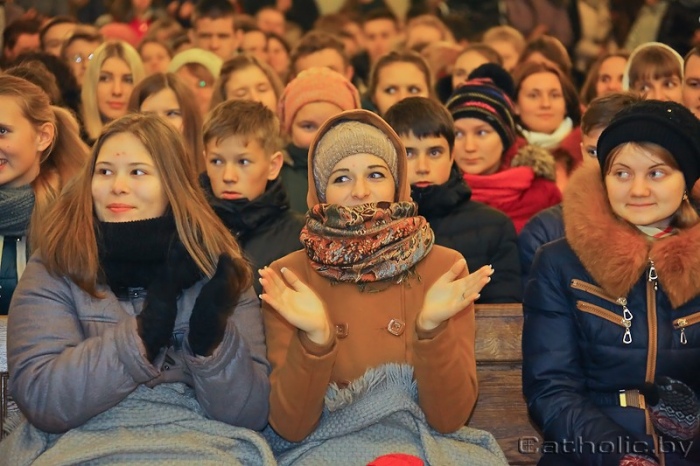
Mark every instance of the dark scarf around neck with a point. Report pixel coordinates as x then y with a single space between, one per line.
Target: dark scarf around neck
439 200
16 206
366 243
133 254
242 216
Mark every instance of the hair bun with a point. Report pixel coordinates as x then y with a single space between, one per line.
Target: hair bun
500 77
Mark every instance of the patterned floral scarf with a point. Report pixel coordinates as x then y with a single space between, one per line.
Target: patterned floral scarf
366 243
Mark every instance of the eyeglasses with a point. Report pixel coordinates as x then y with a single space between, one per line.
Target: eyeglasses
78 58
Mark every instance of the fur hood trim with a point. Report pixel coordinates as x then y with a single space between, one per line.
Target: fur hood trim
616 253
537 158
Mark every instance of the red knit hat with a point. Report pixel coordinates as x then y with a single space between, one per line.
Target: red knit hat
316 85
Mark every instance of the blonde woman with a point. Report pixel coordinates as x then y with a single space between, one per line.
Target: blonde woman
111 75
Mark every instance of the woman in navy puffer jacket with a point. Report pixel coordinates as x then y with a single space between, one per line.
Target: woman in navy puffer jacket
614 306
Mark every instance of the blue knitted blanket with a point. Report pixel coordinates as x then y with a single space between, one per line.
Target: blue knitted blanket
164 425
378 414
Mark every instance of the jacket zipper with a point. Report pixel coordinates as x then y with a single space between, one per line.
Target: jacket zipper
621 301
684 322
610 317
652 287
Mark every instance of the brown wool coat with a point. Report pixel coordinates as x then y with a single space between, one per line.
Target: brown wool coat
373 326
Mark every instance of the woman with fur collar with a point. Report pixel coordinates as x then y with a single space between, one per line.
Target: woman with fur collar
370 287
499 166
137 304
611 348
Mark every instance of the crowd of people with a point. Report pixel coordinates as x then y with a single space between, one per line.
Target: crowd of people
248 233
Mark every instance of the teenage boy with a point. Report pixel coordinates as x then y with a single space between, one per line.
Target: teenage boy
214 29
243 162
320 49
483 235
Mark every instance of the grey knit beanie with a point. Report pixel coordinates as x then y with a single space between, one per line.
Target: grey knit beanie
350 138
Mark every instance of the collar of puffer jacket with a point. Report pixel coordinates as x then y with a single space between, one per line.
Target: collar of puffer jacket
616 253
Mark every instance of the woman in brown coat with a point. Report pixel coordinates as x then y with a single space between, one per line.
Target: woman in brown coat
370 288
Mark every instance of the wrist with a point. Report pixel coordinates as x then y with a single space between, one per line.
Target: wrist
425 325
321 337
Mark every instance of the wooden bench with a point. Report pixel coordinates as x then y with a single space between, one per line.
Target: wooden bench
501 407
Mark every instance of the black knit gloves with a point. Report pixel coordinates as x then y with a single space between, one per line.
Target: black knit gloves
215 303
674 408
156 321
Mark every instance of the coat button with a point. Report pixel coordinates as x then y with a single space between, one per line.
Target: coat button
396 327
341 330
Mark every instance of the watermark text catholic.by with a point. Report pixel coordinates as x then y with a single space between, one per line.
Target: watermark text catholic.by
535 445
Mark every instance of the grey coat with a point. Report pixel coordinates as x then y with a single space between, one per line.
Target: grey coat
72 356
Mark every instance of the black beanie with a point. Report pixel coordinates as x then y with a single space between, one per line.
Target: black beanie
666 124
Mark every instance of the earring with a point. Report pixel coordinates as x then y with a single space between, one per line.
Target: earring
685 195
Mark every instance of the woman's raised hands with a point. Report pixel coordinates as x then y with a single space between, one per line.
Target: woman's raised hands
296 302
449 295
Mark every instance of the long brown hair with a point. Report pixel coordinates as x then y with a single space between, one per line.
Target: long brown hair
191 118
68 243
64 156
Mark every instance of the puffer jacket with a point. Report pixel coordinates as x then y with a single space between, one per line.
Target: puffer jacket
265 228
483 235
545 227
606 309
86 356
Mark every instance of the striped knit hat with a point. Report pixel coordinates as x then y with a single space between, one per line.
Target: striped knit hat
483 99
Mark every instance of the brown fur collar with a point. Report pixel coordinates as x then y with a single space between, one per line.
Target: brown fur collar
616 253
540 160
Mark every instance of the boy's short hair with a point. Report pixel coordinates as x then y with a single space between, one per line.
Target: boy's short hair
245 118
423 117
315 41
601 110
212 9
505 34
381 13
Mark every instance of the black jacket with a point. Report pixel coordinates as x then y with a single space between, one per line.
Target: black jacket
295 177
483 235
8 272
543 228
603 309
265 228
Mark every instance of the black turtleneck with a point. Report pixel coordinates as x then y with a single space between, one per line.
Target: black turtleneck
439 200
132 253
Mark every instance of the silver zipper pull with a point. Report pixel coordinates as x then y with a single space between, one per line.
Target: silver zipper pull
653 276
626 314
684 340
627 337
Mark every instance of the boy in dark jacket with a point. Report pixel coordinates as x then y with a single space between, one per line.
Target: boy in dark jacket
243 162
483 235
